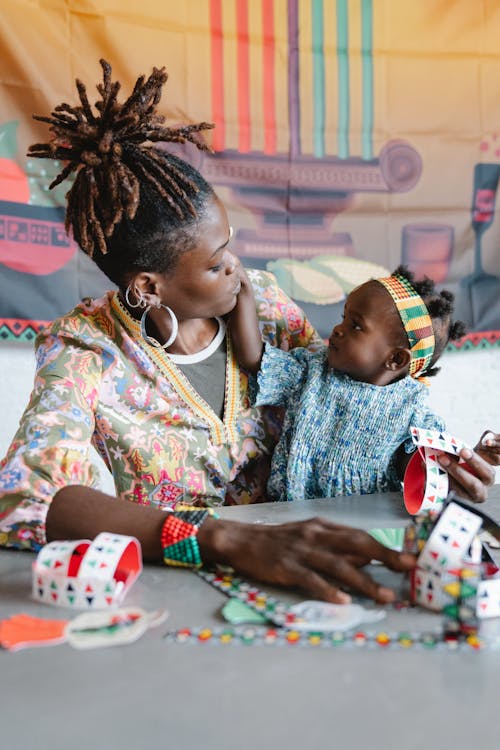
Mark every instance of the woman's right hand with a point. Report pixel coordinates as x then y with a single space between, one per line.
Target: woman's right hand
316 556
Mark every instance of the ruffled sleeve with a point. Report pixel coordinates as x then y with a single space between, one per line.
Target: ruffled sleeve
281 376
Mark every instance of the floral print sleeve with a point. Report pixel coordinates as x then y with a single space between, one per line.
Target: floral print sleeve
51 448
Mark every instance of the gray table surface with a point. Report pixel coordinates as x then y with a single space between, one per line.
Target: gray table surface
153 694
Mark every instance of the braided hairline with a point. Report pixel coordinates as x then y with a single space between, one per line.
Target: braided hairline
111 153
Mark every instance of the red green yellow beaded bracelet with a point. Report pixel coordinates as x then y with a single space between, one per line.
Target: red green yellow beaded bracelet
178 536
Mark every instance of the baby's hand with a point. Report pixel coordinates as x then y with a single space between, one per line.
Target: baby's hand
471 477
489 447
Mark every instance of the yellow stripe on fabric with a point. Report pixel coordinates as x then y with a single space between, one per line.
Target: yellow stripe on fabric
418 324
410 303
355 79
305 77
230 42
220 431
197 49
256 75
331 79
281 63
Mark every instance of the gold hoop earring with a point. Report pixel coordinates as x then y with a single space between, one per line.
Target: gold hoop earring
153 341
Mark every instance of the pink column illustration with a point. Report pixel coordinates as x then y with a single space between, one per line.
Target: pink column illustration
479 291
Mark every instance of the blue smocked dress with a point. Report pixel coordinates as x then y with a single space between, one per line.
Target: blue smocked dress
339 435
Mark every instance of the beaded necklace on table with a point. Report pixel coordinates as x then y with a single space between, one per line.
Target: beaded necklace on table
222 431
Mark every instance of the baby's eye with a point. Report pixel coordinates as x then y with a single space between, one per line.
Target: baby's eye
356 326
216 268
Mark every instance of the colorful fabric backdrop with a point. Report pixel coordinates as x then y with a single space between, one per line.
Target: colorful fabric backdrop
351 135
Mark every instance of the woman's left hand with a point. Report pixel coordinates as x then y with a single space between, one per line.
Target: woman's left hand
472 478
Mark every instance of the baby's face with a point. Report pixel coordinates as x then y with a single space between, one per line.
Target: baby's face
370 329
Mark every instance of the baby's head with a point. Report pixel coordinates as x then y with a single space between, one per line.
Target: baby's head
393 327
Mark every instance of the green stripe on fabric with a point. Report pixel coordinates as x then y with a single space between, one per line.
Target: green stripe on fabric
367 78
343 79
318 79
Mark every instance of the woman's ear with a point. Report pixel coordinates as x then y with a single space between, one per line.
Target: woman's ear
147 285
398 360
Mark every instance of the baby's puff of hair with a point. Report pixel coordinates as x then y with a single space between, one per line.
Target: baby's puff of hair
440 305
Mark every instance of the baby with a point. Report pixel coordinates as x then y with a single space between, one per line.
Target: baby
350 405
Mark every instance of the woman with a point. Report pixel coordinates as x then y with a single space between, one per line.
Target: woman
148 376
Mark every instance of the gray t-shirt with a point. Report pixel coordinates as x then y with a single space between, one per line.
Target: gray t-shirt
206 370
208 378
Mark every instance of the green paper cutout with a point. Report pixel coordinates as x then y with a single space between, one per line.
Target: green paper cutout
392 538
237 613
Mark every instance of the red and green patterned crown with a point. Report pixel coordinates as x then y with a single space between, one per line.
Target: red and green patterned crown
416 321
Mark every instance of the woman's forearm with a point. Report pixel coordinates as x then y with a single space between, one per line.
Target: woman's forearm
78 512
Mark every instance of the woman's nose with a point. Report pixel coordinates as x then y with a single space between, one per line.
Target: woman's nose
337 331
231 262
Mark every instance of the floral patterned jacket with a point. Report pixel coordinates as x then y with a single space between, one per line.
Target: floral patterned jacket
99 383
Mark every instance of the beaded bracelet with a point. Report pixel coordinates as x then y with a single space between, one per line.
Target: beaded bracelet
178 536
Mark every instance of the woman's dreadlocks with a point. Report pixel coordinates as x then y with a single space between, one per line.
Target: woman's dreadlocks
128 196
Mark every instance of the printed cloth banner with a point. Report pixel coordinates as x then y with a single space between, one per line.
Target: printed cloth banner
351 136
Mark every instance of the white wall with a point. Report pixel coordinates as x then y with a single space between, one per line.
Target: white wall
466 393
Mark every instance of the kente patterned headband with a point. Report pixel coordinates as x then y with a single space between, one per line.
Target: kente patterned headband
416 321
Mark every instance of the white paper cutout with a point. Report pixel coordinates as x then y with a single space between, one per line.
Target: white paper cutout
87 575
318 615
100 629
